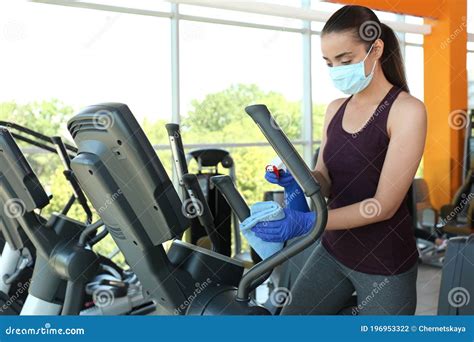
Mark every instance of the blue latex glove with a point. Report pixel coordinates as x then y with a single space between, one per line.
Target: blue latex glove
294 195
295 223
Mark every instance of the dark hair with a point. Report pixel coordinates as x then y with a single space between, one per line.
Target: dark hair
367 28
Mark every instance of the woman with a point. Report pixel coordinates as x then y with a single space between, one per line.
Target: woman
371 148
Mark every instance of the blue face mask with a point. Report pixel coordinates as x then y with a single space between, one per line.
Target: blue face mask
351 79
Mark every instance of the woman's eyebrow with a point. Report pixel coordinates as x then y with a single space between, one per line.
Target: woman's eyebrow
343 54
339 56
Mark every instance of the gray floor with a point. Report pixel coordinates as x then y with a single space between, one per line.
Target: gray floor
428 282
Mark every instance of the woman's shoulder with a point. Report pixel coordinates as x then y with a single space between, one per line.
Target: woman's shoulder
407 102
407 110
333 107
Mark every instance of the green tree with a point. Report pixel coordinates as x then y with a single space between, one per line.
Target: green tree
218 118
220 109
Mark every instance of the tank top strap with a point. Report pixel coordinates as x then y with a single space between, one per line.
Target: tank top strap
383 109
336 121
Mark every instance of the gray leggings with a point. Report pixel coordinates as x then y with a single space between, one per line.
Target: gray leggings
324 286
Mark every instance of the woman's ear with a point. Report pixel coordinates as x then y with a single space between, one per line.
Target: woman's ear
378 48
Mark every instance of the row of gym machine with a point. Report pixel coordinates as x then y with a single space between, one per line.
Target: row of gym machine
445 236
453 219
49 266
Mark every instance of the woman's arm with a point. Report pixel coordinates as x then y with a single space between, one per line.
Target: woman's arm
407 130
320 172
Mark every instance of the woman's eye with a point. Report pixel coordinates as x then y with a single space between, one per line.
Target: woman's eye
329 65
346 62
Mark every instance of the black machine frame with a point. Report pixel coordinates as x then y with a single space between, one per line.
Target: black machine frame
115 157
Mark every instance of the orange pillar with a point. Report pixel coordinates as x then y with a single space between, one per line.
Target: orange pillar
445 52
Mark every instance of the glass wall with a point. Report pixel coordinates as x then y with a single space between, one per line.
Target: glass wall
83 57
224 68
414 66
56 60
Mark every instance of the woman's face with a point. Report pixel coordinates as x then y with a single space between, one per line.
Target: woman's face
342 48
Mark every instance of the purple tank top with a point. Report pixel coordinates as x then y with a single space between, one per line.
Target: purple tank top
354 162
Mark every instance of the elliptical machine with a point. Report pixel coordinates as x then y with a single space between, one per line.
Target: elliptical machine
220 210
65 266
19 254
118 158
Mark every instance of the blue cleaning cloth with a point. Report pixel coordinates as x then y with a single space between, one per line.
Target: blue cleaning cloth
261 212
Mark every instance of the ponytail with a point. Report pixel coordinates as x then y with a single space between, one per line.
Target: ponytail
392 60
367 28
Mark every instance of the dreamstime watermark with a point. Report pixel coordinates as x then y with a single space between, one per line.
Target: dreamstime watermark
458 119
457 209
4 128
458 297
370 208
366 301
103 297
370 30
21 289
192 207
377 112
274 216
108 202
46 330
280 297
103 119
14 31
14 208
444 44
284 122
273 37
199 288
294 194
109 22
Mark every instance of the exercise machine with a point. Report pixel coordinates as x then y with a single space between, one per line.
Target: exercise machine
425 220
119 159
65 264
208 161
146 211
220 210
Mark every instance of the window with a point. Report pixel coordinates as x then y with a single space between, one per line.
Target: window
155 5
83 57
247 17
323 90
225 68
414 66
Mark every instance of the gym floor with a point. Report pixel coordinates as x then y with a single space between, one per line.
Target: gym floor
428 283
